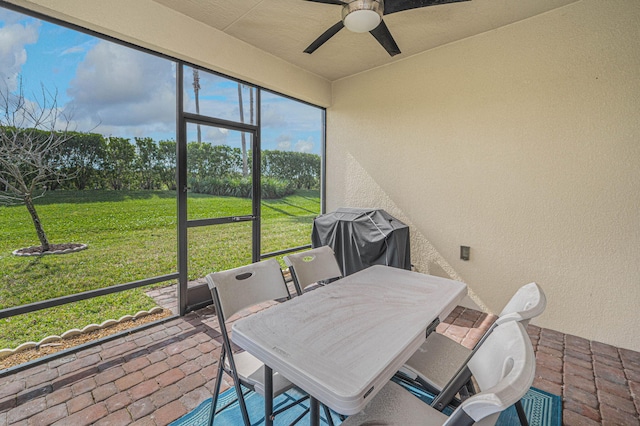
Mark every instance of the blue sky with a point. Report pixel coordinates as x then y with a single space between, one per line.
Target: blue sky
117 91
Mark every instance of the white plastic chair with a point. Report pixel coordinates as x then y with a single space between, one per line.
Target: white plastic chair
504 368
232 291
312 266
439 364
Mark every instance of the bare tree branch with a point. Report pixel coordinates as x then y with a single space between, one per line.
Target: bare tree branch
30 148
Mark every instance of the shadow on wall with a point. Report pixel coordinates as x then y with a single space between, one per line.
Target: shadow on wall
361 190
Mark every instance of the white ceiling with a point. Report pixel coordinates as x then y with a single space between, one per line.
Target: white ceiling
284 28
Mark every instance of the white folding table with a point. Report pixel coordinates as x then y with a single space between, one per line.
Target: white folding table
341 343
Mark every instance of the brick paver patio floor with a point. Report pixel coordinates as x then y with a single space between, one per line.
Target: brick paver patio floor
156 375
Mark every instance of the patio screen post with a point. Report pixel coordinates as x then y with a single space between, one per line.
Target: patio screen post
181 179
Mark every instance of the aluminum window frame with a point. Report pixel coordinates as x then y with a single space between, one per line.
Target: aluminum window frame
182 223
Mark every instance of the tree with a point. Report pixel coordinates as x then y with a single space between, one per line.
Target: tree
167 163
120 155
225 161
302 169
146 162
196 92
30 144
82 158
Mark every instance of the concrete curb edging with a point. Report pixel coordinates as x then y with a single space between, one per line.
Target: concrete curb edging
75 331
78 247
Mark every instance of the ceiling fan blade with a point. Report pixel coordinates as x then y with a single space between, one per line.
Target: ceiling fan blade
324 37
384 37
393 6
338 2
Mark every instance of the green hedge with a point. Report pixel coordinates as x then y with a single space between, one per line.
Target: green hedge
272 188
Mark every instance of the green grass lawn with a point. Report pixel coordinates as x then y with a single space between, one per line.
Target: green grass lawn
131 236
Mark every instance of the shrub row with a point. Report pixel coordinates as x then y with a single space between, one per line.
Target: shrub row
241 187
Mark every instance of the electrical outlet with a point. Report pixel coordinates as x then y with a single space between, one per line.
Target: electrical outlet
465 252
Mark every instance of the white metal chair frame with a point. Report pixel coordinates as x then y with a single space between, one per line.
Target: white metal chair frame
312 266
504 367
527 303
259 282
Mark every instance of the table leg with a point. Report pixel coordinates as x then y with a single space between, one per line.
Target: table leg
268 396
314 413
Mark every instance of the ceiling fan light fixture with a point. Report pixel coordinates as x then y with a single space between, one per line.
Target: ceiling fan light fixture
360 16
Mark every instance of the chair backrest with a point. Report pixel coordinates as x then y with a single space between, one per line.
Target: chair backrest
238 288
313 265
504 368
528 302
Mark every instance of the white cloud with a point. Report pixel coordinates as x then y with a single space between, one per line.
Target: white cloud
215 135
284 146
76 49
42 112
305 145
279 112
218 97
283 142
119 89
273 116
14 36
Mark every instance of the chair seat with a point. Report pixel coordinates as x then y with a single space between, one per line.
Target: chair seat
251 370
394 405
436 361
503 367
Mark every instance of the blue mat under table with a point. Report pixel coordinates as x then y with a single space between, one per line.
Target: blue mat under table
231 415
542 409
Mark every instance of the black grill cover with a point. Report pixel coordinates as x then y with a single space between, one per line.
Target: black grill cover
363 237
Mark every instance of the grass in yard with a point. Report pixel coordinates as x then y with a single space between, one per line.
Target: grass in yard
131 236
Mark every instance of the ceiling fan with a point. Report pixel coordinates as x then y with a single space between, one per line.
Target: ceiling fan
366 15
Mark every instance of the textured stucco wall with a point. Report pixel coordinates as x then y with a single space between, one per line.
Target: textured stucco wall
148 24
523 143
